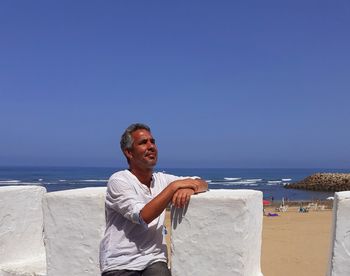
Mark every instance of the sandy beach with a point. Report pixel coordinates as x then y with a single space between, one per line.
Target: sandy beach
294 243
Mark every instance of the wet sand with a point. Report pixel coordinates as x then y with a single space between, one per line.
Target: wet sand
294 243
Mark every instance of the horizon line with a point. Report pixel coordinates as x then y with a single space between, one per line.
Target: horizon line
171 167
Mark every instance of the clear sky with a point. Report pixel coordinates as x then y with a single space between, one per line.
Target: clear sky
221 83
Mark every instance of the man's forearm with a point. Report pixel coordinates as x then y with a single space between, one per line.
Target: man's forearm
157 205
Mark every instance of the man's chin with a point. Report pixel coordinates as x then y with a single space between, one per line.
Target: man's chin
152 163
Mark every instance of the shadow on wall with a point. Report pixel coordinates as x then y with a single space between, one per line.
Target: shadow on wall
177 214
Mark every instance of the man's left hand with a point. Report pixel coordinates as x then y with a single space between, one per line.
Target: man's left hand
181 197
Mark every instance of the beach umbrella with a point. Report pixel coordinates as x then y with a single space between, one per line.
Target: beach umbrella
266 202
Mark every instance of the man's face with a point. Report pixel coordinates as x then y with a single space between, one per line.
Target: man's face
144 152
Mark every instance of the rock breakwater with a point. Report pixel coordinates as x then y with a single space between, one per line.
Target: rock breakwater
327 182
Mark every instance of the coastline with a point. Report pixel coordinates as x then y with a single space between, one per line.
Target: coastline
270 181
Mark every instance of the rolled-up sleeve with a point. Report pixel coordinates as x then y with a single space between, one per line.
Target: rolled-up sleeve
122 198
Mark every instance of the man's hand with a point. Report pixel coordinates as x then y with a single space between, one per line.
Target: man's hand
156 206
197 185
181 197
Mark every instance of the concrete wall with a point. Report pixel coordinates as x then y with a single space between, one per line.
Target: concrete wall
22 249
74 223
228 221
339 264
219 233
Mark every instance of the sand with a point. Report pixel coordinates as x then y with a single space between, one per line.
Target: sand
294 243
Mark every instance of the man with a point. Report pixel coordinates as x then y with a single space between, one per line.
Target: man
134 244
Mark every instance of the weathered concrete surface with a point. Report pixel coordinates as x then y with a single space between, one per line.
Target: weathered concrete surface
339 264
219 233
74 224
22 249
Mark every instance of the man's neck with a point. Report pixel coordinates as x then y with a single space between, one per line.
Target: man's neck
144 176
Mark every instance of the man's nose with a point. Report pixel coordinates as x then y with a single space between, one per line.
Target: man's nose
150 145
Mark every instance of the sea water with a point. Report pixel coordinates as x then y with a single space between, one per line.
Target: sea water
270 181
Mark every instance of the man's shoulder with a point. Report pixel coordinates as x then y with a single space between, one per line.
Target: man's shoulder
164 177
121 180
123 174
161 174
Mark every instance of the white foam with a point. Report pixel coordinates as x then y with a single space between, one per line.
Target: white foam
235 183
94 180
230 183
9 181
192 177
247 182
286 179
274 181
21 183
232 178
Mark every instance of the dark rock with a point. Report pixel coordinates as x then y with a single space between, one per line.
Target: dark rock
327 182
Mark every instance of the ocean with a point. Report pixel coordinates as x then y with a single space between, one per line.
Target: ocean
270 181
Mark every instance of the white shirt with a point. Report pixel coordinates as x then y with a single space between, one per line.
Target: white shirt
129 243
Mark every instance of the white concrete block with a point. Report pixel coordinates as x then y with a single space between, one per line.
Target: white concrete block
74 223
339 264
22 249
219 233
32 267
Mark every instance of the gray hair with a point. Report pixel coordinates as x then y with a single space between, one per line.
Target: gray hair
126 139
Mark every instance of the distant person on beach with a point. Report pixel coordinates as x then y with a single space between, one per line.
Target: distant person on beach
134 243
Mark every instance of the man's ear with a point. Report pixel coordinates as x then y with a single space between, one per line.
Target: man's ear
128 153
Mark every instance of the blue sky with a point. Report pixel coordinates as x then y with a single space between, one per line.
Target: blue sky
241 84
